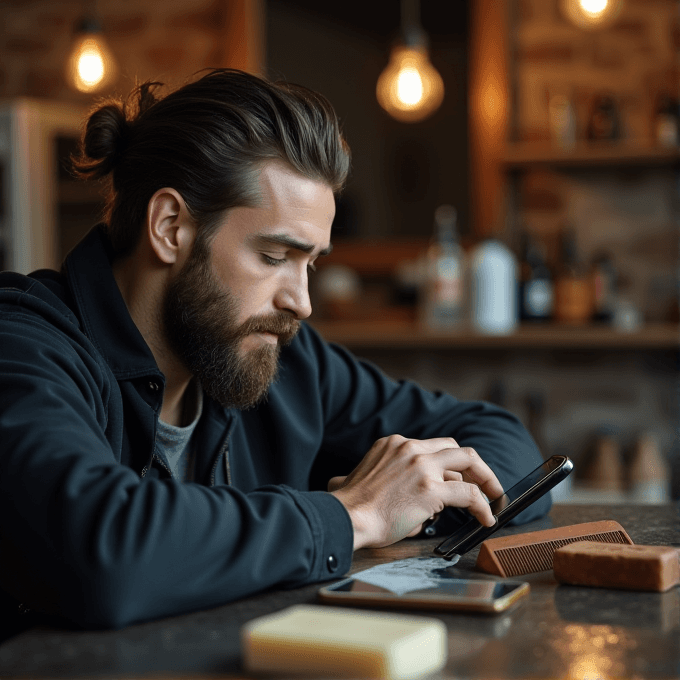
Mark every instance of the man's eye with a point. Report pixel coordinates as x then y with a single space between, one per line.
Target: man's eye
272 261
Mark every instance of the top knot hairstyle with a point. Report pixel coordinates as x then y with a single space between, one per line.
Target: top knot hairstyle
207 140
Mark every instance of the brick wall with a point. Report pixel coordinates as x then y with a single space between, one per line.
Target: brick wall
168 41
633 59
631 213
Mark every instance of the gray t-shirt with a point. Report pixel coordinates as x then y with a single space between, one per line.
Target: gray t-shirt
174 445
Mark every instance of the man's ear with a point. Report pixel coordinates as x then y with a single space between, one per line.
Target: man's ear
170 228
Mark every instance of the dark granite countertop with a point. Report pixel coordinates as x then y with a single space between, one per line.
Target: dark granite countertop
560 632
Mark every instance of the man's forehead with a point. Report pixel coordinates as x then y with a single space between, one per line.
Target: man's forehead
277 179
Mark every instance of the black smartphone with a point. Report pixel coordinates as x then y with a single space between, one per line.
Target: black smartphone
507 506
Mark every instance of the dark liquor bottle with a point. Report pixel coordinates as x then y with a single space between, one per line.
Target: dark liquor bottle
605 121
573 286
536 287
604 285
667 121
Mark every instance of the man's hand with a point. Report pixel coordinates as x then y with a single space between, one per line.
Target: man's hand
402 482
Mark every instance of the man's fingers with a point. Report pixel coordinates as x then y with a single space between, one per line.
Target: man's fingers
422 445
464 495
468 462
451 476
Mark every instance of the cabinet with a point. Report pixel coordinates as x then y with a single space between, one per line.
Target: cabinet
42 210
620 197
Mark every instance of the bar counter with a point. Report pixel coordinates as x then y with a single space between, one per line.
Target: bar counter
569 632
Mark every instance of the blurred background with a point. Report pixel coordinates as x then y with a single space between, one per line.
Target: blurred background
510 230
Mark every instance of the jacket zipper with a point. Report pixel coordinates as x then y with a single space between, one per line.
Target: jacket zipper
160 462
224 451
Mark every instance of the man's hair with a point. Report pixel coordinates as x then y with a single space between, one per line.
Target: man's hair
207 140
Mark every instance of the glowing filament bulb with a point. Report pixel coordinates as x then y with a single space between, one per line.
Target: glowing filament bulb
90 65
409 86
410 89
591 14
594 7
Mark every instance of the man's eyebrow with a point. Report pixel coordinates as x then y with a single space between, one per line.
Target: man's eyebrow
290 242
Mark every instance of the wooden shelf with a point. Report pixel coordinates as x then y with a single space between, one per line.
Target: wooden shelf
523 155
403 335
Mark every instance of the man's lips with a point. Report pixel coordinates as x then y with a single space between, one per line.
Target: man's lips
268 336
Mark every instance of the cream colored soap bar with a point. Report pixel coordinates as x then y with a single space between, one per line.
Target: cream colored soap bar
341 642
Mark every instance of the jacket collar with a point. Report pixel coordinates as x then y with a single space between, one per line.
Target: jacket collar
102 311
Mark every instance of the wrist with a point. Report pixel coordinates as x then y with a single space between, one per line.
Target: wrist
360 525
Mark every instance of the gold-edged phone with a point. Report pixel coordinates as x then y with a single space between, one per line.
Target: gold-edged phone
473 595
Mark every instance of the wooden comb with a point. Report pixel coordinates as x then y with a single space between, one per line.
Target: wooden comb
533 551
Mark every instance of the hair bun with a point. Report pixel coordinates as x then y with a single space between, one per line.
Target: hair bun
105 139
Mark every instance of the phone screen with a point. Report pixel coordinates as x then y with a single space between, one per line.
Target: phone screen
486 591
436 589
505 507
525 485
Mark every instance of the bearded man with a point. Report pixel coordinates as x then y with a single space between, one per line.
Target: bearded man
173 436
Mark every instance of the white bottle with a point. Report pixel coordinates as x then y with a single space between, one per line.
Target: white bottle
493 289
442 305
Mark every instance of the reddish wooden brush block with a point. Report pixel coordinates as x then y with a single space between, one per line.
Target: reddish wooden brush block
632 567
533 551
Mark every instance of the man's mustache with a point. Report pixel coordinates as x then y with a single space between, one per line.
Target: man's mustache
280 324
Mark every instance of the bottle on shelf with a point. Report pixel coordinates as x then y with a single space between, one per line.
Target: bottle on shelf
442 302
604 470
493 288
573 286
605 121
562 120
667 121
536 288
648 472
626 318
604 285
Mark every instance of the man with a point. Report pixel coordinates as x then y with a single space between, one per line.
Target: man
172 436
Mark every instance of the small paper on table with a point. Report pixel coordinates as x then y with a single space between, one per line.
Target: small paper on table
403 576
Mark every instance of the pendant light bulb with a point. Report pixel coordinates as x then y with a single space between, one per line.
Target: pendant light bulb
410 89
91 66
590 14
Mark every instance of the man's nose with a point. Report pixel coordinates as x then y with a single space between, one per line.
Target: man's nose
293 297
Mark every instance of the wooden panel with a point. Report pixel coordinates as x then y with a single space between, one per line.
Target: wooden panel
395 333
489 110
245 48
587 155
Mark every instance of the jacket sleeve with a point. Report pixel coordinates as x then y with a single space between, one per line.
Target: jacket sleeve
87 539
362 405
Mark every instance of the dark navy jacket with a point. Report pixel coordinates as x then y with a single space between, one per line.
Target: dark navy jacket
92 527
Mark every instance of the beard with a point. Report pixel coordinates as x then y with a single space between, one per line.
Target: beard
200 322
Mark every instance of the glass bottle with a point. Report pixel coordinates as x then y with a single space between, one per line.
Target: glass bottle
443 295
667 121
536 289
493 288
573 287
605 121
604 282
